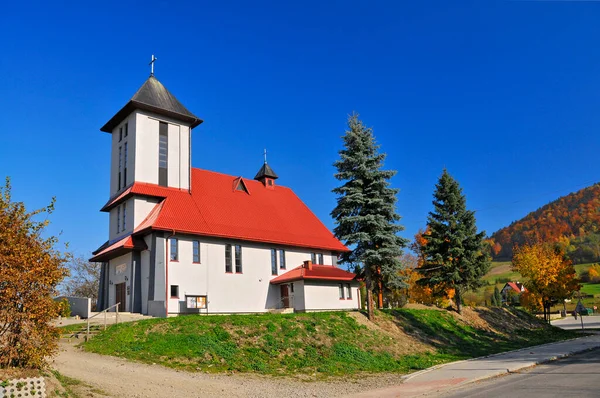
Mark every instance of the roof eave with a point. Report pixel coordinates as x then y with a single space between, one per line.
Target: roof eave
133 105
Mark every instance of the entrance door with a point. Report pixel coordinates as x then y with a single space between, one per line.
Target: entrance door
120 295
285 296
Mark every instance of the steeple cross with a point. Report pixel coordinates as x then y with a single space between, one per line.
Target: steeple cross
152 65
265 155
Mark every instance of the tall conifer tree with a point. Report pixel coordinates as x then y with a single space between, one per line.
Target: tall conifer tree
365 215
453 253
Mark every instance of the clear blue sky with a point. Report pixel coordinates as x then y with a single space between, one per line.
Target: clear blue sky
505 94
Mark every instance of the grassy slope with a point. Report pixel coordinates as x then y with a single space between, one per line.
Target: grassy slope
316 343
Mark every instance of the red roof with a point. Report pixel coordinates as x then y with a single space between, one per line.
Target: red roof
318 272
118 248
516 286
216 208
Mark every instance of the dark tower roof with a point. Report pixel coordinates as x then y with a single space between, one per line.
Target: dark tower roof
265 171
153 97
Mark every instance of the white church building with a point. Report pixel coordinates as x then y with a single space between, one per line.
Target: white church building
186 240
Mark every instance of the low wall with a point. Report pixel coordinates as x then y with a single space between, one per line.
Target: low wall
79 305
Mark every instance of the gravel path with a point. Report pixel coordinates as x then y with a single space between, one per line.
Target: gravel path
123 378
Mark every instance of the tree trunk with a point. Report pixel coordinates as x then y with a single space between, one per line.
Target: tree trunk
369 289
457 296
380 295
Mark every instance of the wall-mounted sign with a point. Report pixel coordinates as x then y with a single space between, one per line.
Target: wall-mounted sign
198 302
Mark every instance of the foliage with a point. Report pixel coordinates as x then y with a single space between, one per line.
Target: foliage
453 254
324 344
84 279
64 308
572 221
551 277
365 214
591 275
30 269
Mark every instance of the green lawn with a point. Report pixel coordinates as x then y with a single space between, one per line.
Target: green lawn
591 288
323 344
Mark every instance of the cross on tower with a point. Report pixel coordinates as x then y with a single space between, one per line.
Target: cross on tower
265 155
152 65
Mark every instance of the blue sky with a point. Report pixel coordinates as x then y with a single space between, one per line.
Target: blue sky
505 94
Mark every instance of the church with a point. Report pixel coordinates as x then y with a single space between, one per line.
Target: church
184 240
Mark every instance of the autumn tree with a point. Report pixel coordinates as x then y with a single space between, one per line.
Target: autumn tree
365 214
551 276
30 269
454 254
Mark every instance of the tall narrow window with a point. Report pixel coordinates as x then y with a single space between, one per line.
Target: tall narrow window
238 259
228 258
341 288
313 258
348 292
196 251
281 259
126 130
118 219
125 165
320 258
174 251
124 217
120 133
163 147
120 166
273 262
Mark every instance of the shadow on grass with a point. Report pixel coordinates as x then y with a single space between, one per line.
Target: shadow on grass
451 336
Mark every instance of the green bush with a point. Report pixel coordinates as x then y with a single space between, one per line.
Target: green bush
64 308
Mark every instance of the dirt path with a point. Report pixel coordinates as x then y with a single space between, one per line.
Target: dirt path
122 378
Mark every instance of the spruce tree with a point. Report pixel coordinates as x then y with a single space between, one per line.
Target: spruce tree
497 297
454 255
365 215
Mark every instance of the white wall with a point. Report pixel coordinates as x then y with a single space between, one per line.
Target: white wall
249 291
325 296
141 208
114 159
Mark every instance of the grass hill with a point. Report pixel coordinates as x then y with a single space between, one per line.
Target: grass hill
573 221
323 344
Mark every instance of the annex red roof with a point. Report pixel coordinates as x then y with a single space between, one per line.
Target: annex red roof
318 272
118 248
216 208
516 286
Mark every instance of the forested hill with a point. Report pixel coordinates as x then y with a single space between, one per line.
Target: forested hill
572 221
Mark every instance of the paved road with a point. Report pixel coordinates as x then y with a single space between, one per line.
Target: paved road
575 376
572 324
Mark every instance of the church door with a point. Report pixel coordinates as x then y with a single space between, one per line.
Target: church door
285 296
120 295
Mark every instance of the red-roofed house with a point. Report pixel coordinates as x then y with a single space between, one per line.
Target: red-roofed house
185 240
512 289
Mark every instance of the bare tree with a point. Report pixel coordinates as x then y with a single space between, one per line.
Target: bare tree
84 279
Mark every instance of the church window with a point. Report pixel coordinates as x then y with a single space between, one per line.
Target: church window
196 251
273 262
120 166
320 258
126 130
125 166
120 134
174 252
228 259
238 259
281 259
163 160
313 258
118 218
124 216
348 292
174 291
241 186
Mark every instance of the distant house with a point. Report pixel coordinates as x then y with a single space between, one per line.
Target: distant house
512 289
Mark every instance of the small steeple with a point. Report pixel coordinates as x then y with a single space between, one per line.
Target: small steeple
266 175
